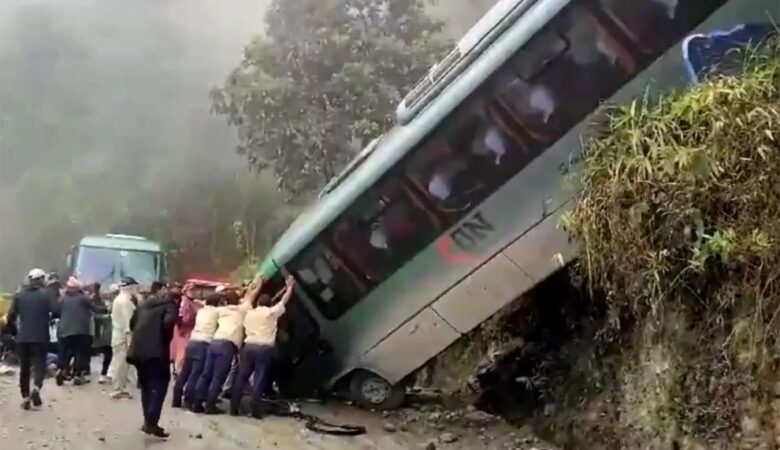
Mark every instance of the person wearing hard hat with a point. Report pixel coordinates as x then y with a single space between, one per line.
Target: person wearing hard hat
31 309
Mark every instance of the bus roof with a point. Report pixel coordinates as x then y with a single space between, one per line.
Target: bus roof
121 242
402 138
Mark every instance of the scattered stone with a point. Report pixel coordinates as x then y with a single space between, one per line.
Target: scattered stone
480 419
434 416
750 426
431 445
447 438
389 427
102 439
197 436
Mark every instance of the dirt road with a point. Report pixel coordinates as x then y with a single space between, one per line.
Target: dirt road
84 418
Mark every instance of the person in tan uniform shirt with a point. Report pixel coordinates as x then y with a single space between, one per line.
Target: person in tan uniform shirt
228 338
260 326
206 321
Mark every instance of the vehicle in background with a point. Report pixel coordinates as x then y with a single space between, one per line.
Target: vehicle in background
200 289
453 213
107 259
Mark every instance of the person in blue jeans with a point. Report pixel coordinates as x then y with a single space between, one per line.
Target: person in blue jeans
260 327
195 355
222 350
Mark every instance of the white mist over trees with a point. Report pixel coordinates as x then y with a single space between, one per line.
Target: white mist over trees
105 121
105 126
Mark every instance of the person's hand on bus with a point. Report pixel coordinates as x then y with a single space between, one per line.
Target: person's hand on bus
289 287
253 291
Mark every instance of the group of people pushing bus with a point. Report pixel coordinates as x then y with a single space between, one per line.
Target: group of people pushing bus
230 328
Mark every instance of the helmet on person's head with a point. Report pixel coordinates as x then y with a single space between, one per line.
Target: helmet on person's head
36 274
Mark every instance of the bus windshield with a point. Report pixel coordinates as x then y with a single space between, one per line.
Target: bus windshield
109 265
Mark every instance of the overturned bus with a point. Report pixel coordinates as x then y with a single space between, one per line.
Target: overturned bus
453 213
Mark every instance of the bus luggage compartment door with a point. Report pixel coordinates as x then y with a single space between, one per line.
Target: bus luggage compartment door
483 293
410 346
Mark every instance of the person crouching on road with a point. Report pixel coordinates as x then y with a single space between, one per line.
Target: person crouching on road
222 350
31 310
195 354
152 330
75 324
121 311
260 326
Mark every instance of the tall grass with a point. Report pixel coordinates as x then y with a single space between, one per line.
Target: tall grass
678 222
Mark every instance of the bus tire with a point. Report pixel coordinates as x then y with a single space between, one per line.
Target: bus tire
370 391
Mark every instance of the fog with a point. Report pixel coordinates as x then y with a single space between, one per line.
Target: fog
105 126
103 106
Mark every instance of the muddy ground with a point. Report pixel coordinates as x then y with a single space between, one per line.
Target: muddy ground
84 418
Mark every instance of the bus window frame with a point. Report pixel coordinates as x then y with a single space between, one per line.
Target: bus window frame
629 58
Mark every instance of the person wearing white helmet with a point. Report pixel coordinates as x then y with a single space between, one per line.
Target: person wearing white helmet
31 309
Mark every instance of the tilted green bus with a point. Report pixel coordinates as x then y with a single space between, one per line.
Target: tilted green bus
453 213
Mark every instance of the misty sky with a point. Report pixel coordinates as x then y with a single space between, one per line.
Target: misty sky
104 109
101 92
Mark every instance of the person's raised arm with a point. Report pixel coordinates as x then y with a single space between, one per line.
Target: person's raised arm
279 308
289 288
250 296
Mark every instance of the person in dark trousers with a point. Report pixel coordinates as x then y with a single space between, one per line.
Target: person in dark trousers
260 327
152 330
101 343
75 324
227 340
31 310
195 353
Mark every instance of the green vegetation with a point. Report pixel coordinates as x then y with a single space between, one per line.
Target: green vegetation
678 220
323 81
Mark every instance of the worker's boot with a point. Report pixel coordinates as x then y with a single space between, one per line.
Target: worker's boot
212 410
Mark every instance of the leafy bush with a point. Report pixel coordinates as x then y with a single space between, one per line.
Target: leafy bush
678 221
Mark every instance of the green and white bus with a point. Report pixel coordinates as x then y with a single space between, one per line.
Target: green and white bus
108 258
454 212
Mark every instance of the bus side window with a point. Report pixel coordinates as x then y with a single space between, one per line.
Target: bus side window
479 148
325 278
590 67
383 231
654 25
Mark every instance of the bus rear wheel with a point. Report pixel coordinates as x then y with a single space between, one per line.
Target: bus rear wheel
371 391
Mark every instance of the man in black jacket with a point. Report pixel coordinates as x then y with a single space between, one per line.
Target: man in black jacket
31 310
74 330
152 330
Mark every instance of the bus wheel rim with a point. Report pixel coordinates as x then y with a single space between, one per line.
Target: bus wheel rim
375 390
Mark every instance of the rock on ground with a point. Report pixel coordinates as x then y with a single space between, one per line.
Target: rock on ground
85 418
